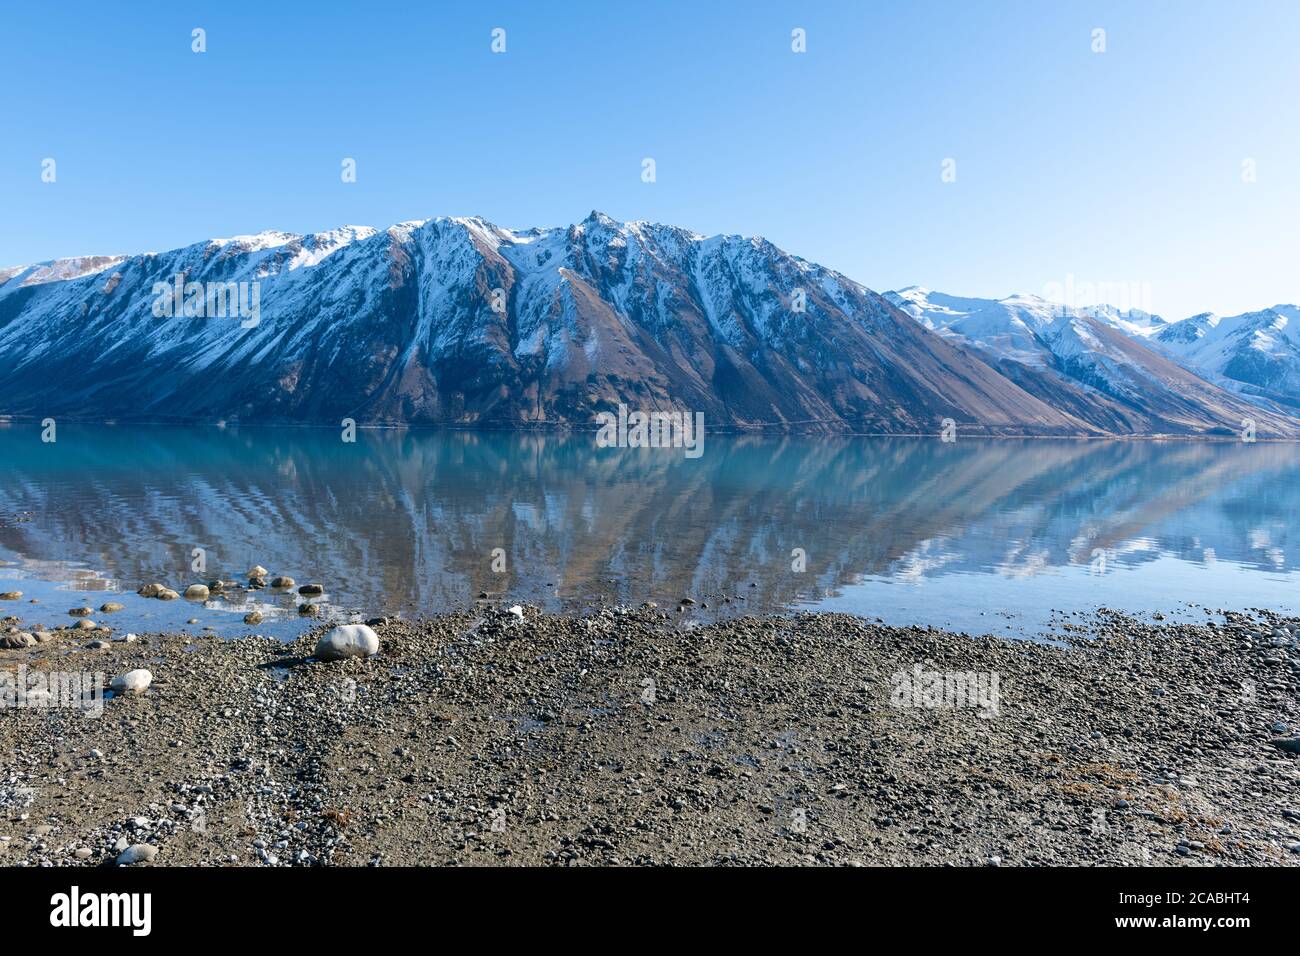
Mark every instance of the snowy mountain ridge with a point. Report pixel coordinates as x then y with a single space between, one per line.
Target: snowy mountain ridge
458 321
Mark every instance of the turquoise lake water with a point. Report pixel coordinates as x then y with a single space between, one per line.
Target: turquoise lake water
1005 537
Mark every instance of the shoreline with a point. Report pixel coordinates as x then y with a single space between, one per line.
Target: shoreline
764 430
622 738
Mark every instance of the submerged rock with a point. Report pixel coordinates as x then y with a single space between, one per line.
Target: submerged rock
132 682
348 640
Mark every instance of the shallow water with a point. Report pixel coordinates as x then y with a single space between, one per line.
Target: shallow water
984 536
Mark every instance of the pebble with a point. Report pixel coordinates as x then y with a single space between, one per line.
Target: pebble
137 853
132 682
349 640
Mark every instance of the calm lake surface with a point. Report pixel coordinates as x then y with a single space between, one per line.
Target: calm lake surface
1004 537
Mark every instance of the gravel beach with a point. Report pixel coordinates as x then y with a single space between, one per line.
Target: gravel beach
636 737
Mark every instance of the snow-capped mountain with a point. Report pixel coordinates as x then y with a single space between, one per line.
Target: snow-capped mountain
1052 350
1257 353
457 321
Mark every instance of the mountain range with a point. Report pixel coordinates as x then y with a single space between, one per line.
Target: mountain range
460 322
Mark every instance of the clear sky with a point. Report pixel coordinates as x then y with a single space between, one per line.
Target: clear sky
1121 167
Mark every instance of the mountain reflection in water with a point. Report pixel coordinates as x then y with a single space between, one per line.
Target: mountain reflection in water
910 530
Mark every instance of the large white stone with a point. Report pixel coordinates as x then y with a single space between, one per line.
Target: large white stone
349 640
137 853
132 682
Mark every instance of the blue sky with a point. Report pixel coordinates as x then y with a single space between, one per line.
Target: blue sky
1122 167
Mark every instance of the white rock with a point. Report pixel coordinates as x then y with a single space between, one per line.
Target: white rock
137 853
517 611
132 682
349 640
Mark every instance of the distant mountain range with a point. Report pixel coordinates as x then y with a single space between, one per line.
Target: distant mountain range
460 322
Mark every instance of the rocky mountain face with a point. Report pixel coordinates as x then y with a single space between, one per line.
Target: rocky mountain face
1256 353
460 322
1099 364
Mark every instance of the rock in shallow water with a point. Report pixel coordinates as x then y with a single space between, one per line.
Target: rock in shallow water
282 582
349 640
253 617
11 595
132 682
311 590
197 592
111 607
